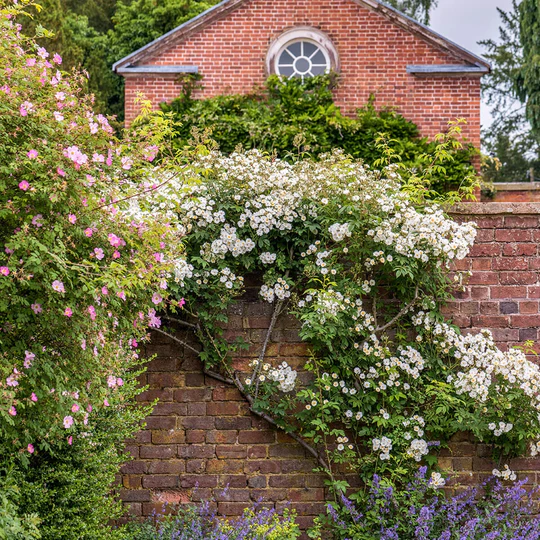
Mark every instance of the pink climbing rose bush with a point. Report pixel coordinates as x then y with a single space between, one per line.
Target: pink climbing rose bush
79 282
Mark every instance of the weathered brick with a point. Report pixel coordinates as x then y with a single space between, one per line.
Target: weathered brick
160 481
233 423
256 436
193 394
196 451
231 451
168 437
157 452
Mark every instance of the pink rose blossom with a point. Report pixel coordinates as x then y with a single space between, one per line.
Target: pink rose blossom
36 220
23 111
36 308
24 185
58 116
181 302
83 344
61 172
28 358
30 62
92 312
127 162
116 255
99 253
68 312
98 158
4 271
42 53
150 153
153 321
111 381
158 257
88 232
72 218
116 241
33 397
75 408
121 294
60 96
106 402
70 440
30 448
120 381
68 421
156 298
57 59
32 154
58 286
12 411
73 153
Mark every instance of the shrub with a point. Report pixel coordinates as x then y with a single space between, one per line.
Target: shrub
487 512
80 279
198 522
296 119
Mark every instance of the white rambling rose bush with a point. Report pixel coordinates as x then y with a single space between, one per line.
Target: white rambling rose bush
364 268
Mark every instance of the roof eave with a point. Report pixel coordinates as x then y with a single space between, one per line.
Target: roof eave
447 70
160 70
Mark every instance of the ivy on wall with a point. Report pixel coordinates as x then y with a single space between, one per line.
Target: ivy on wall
294 119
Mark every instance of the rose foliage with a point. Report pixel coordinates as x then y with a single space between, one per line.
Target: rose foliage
80 280
365 267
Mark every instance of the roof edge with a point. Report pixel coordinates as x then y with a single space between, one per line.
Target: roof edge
163 69
446 69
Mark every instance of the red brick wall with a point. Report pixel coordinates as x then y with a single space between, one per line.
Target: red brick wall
202 433
231 55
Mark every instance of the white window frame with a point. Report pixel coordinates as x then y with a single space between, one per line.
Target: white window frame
302 33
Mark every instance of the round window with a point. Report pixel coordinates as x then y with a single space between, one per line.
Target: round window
302 59
302 52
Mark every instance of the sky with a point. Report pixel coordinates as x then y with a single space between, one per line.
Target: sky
468 21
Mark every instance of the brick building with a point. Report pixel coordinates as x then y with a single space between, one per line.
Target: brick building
376 50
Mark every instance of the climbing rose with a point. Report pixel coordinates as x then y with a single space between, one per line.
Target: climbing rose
58 286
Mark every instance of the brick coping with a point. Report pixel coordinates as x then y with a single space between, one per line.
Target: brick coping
496 208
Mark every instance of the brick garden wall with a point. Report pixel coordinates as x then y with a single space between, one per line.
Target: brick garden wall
201 432
374 53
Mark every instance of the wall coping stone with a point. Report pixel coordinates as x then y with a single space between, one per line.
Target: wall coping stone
495 208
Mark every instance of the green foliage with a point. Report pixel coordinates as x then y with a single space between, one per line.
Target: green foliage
14 526
528 78
296 119
417 9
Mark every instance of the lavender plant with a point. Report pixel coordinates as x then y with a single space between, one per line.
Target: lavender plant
420 512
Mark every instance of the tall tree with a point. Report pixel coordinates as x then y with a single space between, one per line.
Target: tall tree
528 78
509 138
